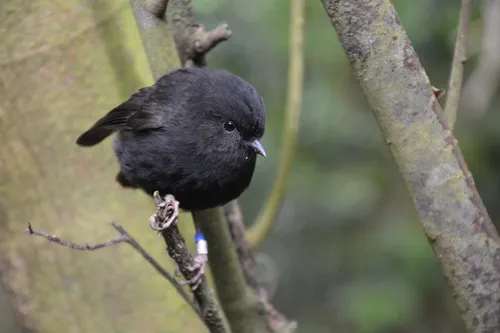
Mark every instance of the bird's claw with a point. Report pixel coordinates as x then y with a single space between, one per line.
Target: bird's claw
156 225
200 263
167 214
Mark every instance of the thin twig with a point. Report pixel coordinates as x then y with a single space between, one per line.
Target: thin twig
257 233
276 321
483 82
79 247
236 224
124 237
162 271
457 67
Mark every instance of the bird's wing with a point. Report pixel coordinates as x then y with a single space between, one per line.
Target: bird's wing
143 110
135 114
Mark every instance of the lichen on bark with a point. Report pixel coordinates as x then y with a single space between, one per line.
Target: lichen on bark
453 216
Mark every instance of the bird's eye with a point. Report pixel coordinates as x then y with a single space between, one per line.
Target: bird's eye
229 126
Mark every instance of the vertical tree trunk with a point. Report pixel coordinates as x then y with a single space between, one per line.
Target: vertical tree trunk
63 63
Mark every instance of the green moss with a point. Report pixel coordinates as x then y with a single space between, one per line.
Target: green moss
64 64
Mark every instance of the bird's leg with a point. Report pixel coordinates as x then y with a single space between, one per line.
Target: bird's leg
200 260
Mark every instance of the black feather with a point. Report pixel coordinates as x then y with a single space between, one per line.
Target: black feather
127 115
171 137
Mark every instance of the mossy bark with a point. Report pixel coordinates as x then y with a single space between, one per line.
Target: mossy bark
62 65
429 158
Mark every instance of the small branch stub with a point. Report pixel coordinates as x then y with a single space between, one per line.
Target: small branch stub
203 41
438 92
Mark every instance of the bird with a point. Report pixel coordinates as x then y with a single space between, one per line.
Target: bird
194 134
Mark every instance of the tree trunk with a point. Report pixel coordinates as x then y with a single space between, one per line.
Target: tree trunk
62 65
429 158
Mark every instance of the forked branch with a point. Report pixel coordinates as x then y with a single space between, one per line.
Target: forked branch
124 237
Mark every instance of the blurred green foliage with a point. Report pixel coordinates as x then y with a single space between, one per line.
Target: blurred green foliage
348 245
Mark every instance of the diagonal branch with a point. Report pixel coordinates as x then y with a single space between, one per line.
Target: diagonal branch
277 322
80 247
124 237
457 67
192 42
168 214
242 308
429 158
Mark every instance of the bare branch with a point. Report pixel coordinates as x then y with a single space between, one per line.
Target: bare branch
242 308
264 222
457 67
192 40
277 322
243 312
167 212
74 246
484 80
124 237
155 35
203 41
162 271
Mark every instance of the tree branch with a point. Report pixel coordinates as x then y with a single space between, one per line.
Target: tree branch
276 321
258 232
167 212
451 211
155 35
124 237
240 305
193 42
154 32
483 82
457 67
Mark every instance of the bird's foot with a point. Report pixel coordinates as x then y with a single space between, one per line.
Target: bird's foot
167 213
200 262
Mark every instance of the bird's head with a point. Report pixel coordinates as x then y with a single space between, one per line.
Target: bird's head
231 115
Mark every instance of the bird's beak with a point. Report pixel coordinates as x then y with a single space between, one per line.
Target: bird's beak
259 149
